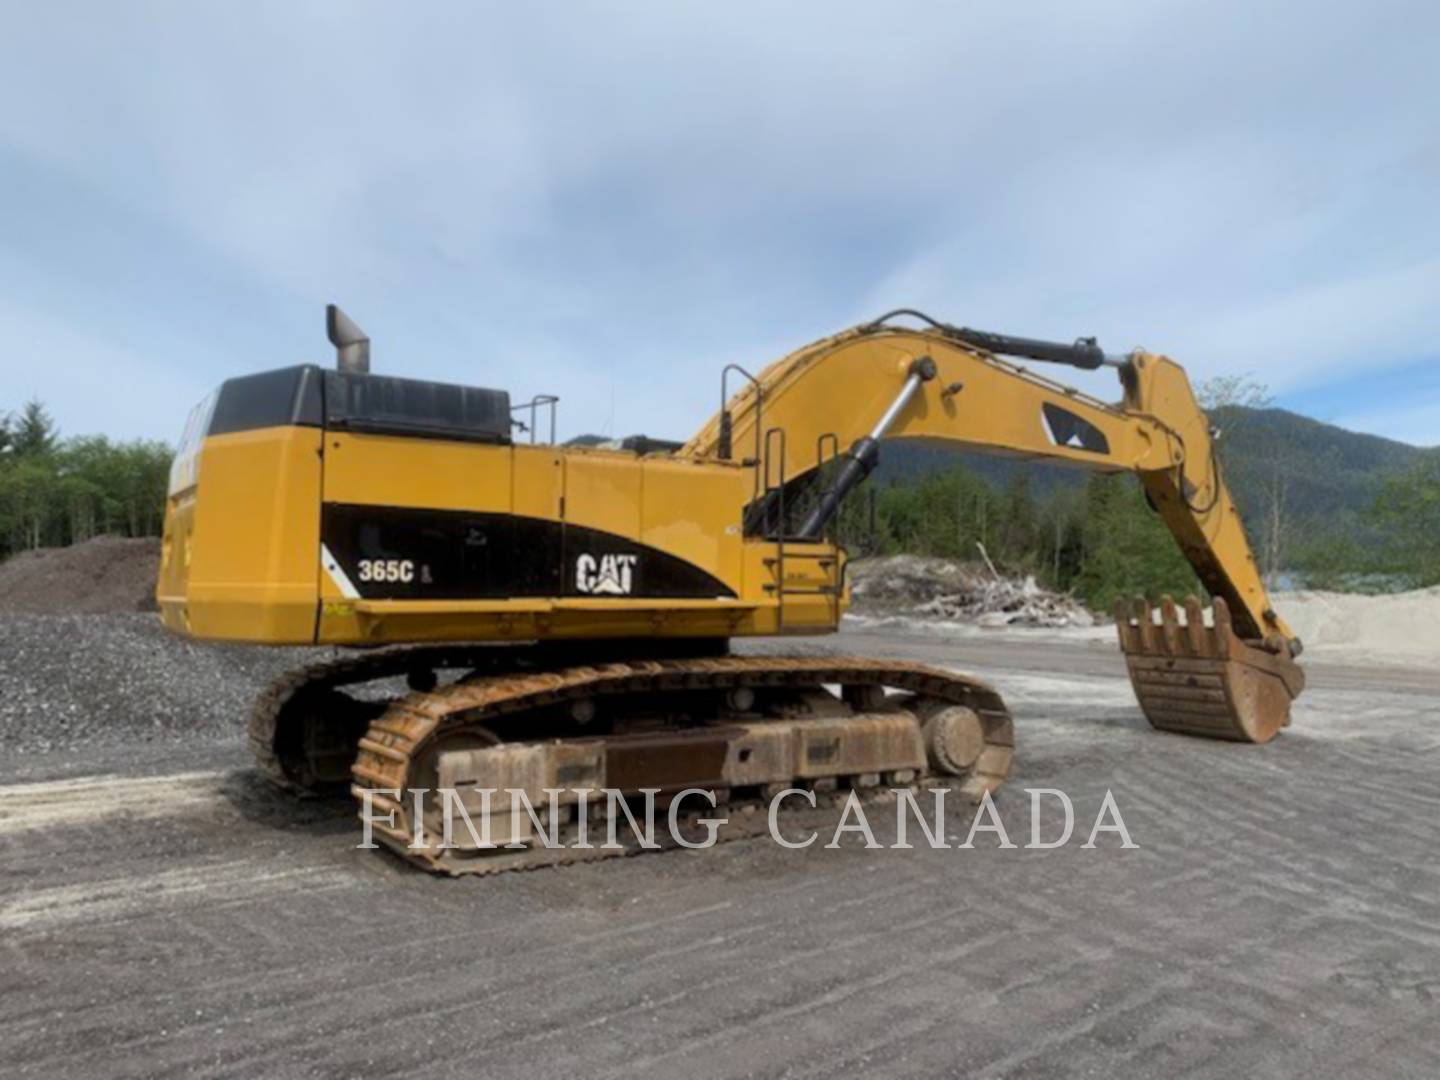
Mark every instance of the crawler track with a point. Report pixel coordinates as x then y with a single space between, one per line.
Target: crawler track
277 723
392 753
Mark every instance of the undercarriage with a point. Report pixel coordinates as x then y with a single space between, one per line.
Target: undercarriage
576 760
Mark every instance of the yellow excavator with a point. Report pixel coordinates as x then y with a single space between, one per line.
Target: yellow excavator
551 618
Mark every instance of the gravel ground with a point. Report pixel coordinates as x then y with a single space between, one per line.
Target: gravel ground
109 680
172 915
80 683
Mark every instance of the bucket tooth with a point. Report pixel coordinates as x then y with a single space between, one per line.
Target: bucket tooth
1170 626
1146 624
1195 635
1224 633
1203 680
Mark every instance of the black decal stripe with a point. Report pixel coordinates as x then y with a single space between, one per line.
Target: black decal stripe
464 555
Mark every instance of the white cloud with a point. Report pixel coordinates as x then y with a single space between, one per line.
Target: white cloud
617 199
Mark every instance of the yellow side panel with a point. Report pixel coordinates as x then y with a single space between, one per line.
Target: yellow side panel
602 491
693 512
385 470
176 549
539 482
252 558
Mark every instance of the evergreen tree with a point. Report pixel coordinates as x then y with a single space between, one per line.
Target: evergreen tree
34 433
1128 551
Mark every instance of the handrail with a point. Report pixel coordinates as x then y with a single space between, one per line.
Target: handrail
725 419
534 405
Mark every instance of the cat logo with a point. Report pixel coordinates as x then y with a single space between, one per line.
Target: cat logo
607 575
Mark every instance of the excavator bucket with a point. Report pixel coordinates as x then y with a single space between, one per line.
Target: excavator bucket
1204 680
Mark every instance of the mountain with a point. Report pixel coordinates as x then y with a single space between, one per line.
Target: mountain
1328 475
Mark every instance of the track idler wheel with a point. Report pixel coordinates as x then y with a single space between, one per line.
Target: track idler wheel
1204 680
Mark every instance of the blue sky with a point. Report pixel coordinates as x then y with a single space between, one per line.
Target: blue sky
610 202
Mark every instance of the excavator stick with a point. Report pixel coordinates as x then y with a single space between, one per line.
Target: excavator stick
1205 680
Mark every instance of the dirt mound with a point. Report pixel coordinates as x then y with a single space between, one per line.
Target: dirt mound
1397 628
104 576
944 590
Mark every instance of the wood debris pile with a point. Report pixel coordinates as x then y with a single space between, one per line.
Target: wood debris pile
943 589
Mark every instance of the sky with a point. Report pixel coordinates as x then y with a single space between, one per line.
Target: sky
610 202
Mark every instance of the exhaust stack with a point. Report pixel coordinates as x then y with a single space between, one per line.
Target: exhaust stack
352 347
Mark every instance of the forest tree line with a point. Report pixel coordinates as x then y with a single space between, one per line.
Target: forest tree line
56 491
1101 541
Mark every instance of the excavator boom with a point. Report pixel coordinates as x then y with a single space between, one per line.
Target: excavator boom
945 386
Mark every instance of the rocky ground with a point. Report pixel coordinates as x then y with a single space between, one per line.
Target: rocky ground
165 913
119 680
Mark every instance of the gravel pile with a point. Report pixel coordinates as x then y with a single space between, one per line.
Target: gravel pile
108 574
87 680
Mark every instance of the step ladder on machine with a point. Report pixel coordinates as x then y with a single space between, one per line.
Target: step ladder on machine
823 576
